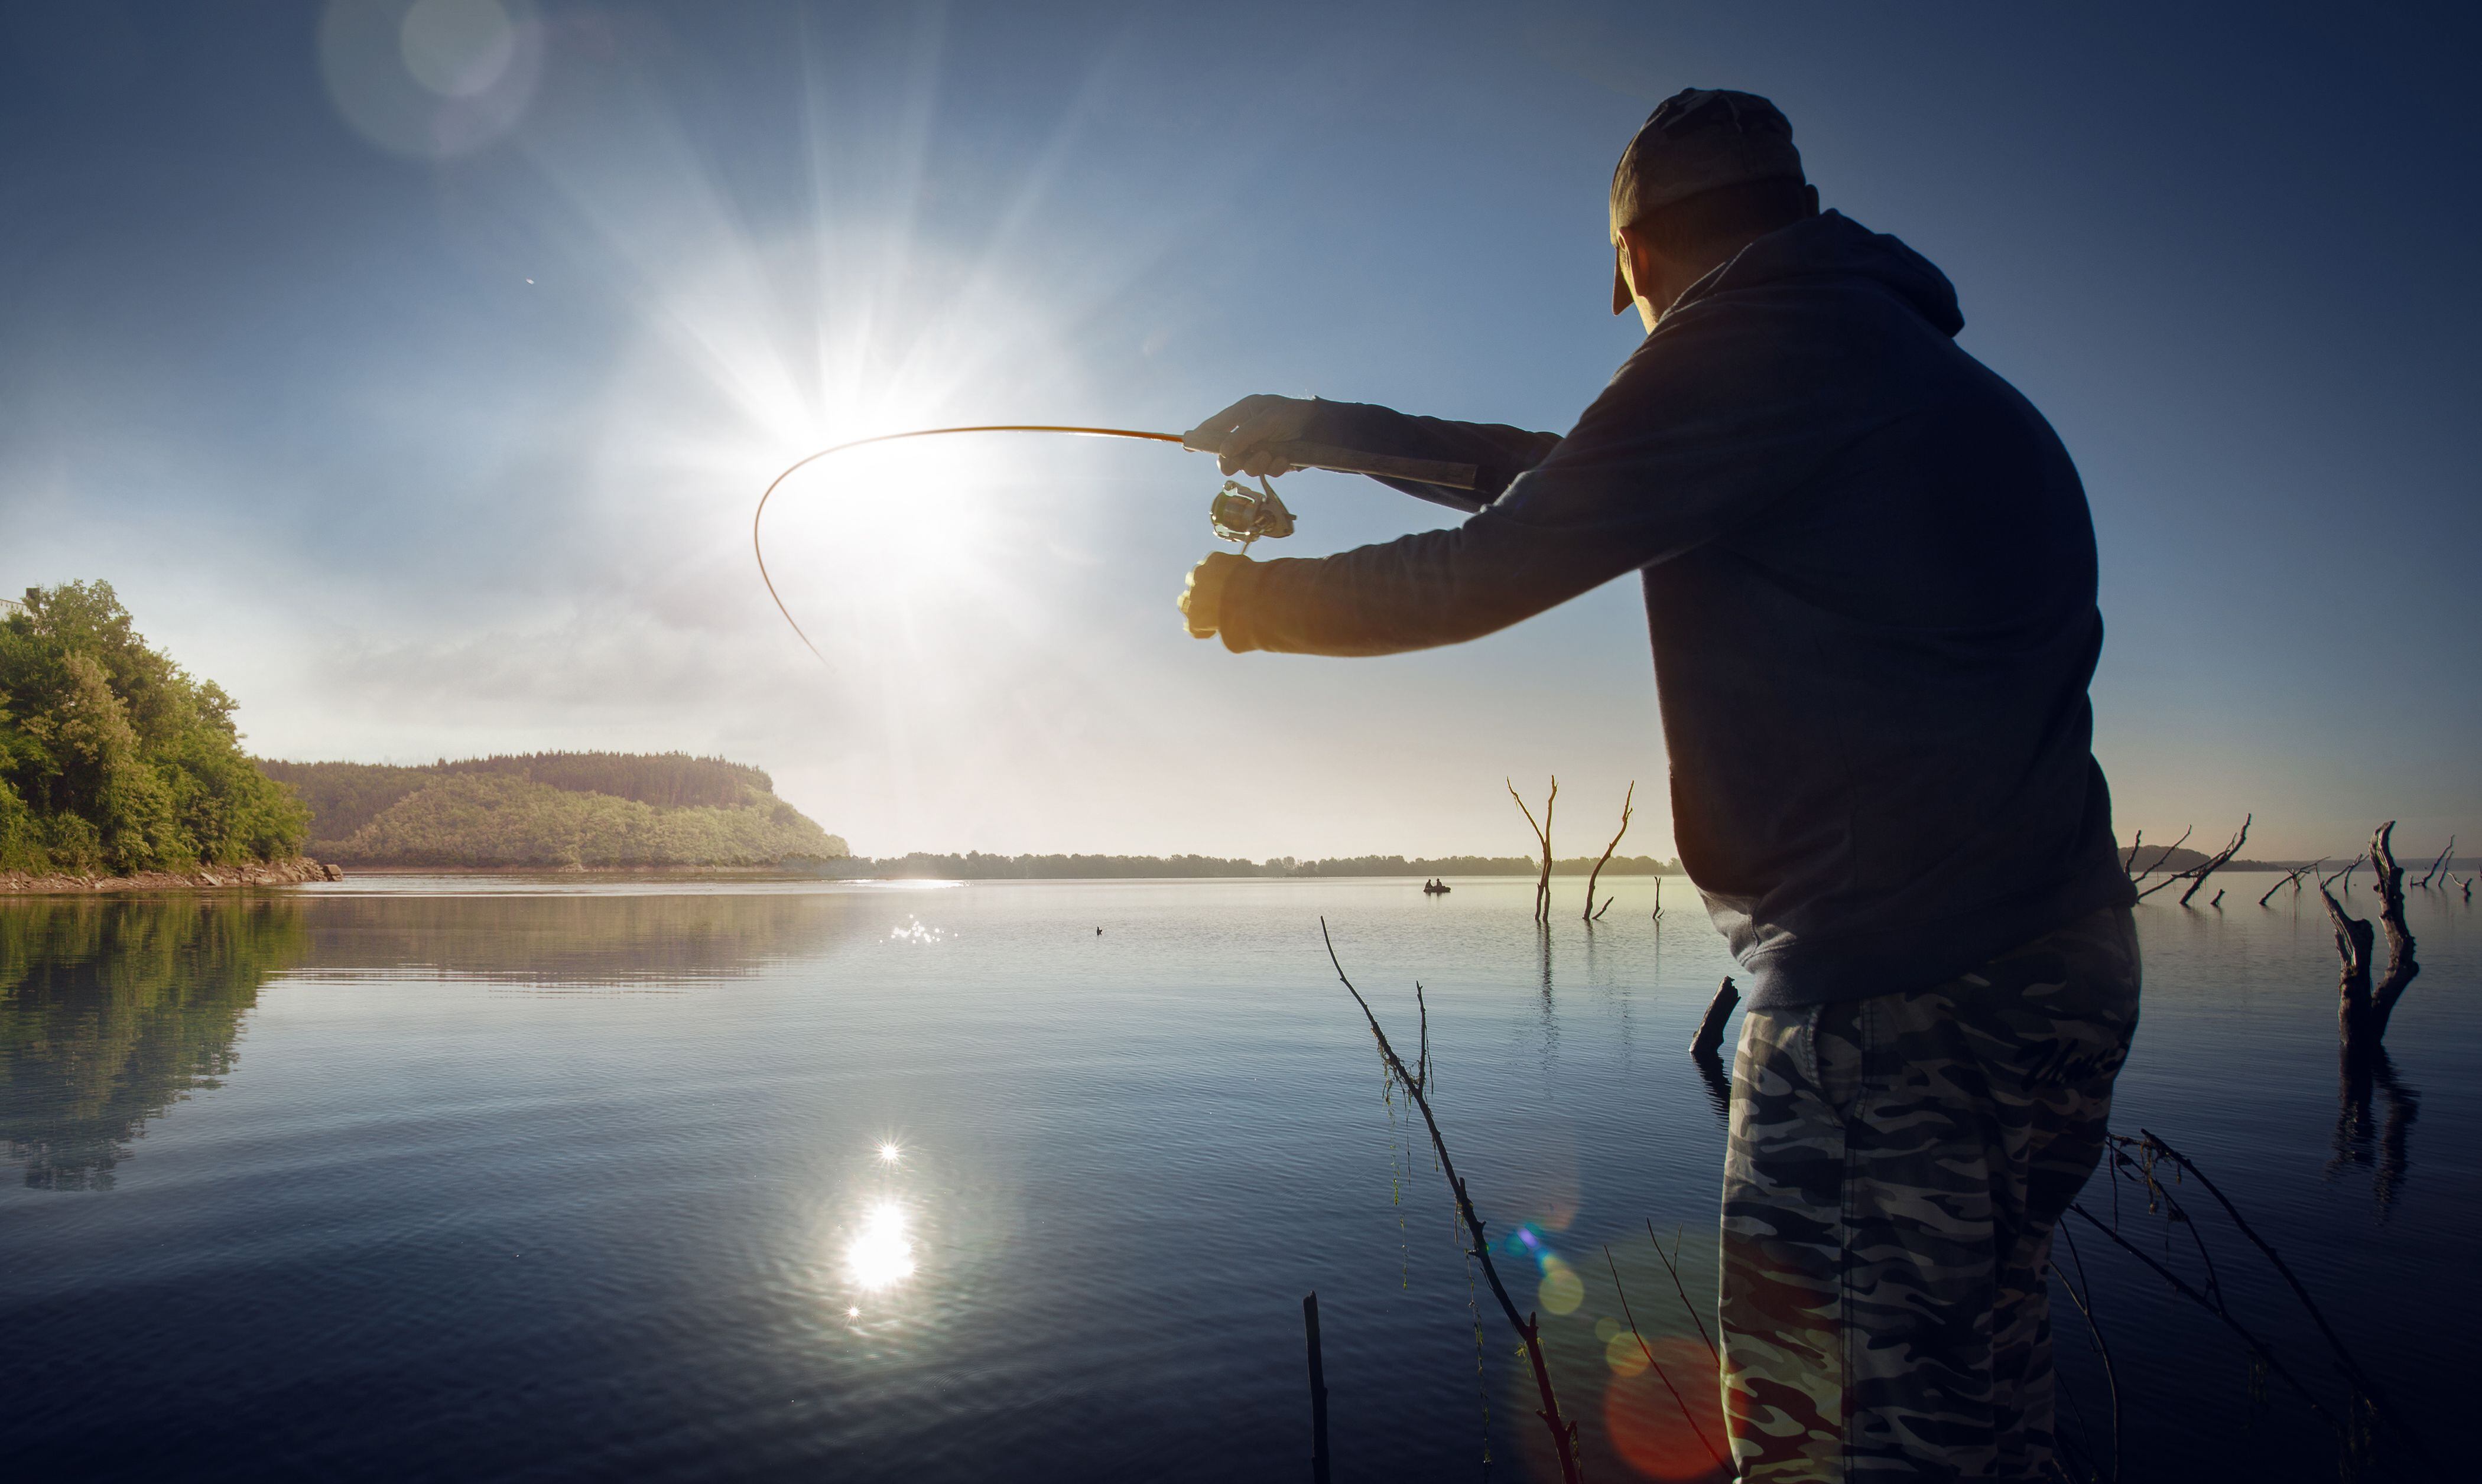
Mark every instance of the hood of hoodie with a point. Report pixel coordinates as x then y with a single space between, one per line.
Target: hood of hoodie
1833 246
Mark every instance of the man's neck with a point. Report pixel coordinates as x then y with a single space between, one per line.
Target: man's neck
1680 276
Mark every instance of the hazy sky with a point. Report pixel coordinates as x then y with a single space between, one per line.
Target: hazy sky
413 374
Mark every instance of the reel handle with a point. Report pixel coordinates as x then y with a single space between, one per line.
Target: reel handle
1344 461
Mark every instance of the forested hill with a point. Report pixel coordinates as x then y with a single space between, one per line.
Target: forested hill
553 809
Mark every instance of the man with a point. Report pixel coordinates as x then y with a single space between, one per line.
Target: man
1869 578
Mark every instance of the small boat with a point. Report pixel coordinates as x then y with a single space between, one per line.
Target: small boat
1435 889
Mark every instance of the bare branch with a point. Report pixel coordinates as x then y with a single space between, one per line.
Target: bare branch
2165 855
1672 1265
1688 1415
2344 1361
1564 1435
2214 1307
1542 834
1627 808
2292 878
2439 865
2196 876
2218 861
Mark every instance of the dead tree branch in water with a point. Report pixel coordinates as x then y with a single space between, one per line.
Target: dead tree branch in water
2135 874
2292 878
2196 876
1672 1265
1543 834
1627 808
1529 1329
2330 878
2436 865
1686 1415
2363 1007
2214 1306
1710 1039
2136 1161
2401 967
2353 940
2084 1300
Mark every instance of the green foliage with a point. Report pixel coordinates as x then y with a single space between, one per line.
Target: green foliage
532 812
345 796
115 759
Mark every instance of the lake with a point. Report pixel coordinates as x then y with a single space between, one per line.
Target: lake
563 1177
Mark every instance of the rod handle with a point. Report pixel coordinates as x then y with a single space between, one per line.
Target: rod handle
1344 461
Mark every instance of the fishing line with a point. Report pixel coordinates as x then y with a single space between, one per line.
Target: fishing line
1237 512
759 550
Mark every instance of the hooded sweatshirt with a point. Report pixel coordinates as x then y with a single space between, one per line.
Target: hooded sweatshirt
1869 577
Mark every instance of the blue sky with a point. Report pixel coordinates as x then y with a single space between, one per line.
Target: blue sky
413 375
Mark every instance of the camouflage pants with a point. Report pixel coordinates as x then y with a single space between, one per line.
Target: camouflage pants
1896 1167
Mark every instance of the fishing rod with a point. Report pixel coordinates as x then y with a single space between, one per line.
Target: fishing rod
1235 513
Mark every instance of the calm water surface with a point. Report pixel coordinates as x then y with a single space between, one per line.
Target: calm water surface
523 1179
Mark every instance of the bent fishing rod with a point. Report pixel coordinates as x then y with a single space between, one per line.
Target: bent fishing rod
1236 512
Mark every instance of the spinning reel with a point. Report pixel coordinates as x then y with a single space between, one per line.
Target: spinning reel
1240 513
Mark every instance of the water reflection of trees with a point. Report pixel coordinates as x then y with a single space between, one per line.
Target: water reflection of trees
112 1010
2374 1132
582 939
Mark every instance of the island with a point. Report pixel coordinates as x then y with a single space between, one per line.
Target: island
573 810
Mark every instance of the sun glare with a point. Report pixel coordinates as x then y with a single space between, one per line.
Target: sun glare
891 1153
880 1255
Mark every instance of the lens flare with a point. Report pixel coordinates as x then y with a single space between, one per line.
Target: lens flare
880 1255
889 1154
1646 1420
1560 1291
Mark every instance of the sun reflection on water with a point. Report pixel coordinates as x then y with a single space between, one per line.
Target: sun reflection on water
881 1256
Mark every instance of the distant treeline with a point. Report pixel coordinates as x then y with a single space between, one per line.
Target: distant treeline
570 809
114 759
974 866
2152 860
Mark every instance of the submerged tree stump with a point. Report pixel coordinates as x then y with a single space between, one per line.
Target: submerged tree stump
1709 1040
2362 1007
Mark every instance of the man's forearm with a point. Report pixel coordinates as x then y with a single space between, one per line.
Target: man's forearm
1419 592
1498 452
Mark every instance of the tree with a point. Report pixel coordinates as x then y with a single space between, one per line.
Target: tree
114 758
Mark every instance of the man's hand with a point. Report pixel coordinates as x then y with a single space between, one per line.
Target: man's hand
1201 597
1241 432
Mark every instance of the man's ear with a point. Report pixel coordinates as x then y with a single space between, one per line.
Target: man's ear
1644 270
1810 195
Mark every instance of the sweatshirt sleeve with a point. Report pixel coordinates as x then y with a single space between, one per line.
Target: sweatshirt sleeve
1719 413
1498 452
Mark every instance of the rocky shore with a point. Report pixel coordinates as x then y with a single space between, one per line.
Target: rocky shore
292 872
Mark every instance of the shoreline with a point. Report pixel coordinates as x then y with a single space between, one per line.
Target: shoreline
288 872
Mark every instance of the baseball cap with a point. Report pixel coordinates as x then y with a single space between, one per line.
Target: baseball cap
1699 140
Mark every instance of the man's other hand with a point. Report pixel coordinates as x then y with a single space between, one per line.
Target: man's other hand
1240 433
1201 597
